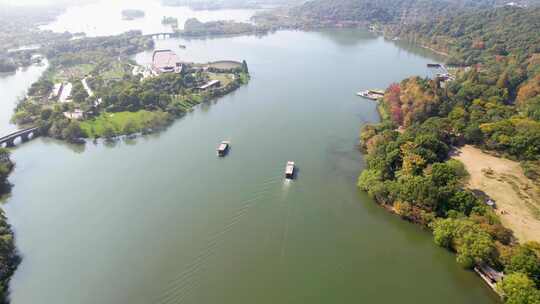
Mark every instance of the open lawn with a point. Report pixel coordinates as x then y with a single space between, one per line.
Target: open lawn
118 121
517 197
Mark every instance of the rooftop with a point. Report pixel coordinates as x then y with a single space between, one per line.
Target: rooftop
163 59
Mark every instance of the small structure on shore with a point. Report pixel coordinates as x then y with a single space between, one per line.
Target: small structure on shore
289 170
488 274
371 94
223 148
76 114
166 61
210 84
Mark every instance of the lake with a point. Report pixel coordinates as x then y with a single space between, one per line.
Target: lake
104 17
161 219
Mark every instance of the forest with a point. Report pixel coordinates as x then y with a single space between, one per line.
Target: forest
194 27
8 255
493 104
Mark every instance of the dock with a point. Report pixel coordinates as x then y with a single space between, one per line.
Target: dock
371 94
489 275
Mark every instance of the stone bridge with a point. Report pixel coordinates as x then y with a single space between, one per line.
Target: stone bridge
9 140
162 35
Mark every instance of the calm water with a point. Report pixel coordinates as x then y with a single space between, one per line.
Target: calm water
12 87
163 220
104 17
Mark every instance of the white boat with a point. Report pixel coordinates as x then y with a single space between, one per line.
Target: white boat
223 148
289 170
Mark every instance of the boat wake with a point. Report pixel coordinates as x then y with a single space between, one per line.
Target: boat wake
187 281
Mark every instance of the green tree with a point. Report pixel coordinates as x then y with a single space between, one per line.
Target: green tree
471 243
73 132
525 260
130 128
517 288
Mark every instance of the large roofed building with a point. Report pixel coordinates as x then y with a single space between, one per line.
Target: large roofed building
166 61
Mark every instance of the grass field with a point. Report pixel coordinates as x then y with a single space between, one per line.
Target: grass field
118 122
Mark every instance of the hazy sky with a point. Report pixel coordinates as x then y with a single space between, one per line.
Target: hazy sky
40 2
26 2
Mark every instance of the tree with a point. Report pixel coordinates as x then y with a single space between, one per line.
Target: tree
109 132
130 128
471 243
6 165
73 132
517 288
245 67
524 260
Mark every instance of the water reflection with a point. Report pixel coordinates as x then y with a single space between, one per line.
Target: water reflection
347 37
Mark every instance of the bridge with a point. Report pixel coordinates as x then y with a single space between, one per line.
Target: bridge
9 140
163 35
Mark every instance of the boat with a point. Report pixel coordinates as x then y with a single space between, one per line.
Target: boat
289 170
223 148
433 65
371 94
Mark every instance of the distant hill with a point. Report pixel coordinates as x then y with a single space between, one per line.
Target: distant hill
478 35
389 11
229 4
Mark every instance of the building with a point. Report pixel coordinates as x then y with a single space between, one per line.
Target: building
56 91
76 114
166 61
65 94
211 84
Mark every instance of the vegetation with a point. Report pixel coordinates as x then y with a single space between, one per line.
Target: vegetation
227 4
130 14
20 37
8 255
119 105
493 103
108 125
193 27
172 21
478 36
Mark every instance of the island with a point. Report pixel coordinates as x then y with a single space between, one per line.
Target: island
131 14
169 21
193 28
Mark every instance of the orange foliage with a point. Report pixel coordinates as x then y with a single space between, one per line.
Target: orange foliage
530 89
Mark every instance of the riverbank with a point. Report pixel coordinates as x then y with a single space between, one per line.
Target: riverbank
9 259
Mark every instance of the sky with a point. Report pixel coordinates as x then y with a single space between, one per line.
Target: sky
39 2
